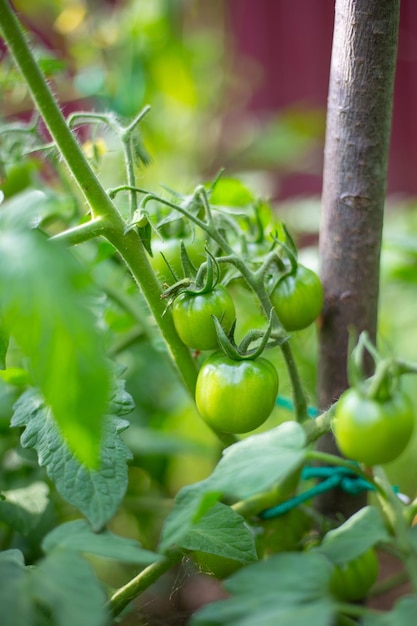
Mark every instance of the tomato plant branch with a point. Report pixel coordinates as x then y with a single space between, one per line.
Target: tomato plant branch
126 137
83 232
319 426
113 226
121 598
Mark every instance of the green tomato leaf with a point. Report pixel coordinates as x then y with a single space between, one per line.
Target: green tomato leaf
403 614
22 508
248 467
289 589
224 532
191 504
78 536
66 584
45 298
15 602
359 533
257 462
97 493
63 583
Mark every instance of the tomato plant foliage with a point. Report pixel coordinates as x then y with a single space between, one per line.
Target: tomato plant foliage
126 454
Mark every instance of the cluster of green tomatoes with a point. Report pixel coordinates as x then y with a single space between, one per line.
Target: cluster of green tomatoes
236 388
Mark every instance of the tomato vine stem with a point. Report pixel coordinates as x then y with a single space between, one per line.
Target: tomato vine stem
111 224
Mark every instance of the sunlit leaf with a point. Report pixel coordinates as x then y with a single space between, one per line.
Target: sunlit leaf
231 192
22 508
46 303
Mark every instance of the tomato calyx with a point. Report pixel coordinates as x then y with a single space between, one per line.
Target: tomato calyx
383 384
267 338
202 282
289 265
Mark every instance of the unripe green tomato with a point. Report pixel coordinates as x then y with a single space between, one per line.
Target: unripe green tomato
236 396
171 249
215 565
193 317
298 299
18 177
371 431
353 580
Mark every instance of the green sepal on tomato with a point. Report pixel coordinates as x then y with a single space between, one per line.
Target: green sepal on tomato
373 431
236 396
352 581
298 298
193 316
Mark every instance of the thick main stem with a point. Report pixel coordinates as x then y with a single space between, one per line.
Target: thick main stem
109 222
354 186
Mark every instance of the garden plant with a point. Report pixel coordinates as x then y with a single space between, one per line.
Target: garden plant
85 273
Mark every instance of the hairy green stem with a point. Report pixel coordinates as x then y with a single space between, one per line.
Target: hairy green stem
113 226
130 171
83 232
46 104
123 596
317 427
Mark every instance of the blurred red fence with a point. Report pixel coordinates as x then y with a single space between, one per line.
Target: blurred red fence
291 41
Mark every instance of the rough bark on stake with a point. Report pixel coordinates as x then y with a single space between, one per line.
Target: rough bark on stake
354 185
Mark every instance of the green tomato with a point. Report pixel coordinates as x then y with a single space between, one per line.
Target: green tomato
298 299
353 580
19 176
371 431
171 249
236 396
193 317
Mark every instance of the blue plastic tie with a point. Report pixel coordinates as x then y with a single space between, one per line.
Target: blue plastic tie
334 477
